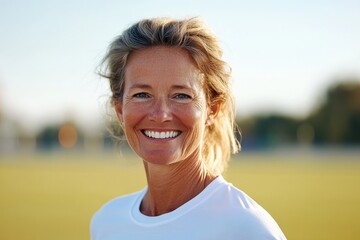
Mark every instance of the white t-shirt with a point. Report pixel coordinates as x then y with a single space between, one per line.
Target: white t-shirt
220 211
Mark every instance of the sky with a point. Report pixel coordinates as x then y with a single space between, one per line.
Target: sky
284 54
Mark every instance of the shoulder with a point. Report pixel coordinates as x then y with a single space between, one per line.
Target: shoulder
119 202
244 214
116 207
235 198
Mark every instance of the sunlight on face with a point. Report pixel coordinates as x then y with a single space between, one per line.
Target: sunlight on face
164 105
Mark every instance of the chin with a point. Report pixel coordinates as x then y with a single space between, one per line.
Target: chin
160 159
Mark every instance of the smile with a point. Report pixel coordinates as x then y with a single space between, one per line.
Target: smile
161 135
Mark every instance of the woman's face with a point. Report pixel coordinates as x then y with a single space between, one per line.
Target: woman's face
163 110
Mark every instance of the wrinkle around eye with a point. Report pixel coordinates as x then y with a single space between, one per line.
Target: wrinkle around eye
182 96
141 95
136 97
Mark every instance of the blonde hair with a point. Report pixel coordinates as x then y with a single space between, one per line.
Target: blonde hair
192 35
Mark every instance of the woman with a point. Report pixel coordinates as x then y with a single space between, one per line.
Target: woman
171 93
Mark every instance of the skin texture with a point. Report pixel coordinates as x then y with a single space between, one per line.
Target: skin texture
164 92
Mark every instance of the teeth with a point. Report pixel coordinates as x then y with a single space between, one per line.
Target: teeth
161 135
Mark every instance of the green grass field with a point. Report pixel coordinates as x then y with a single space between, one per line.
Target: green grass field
53 197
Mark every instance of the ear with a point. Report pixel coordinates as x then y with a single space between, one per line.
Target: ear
118 110
214 109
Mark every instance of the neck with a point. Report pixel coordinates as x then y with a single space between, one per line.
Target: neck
170 186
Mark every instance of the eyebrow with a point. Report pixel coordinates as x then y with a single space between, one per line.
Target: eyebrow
146 86
140 85
181 87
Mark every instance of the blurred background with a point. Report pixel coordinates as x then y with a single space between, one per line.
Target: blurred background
296 78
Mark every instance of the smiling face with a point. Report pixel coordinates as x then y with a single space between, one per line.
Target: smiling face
163 110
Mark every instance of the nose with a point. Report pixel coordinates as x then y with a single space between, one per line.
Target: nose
160 111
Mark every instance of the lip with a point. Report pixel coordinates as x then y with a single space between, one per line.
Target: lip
167 134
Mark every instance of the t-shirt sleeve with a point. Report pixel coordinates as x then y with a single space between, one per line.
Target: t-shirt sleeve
258 224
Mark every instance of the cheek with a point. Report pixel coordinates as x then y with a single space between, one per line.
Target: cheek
194 122
193 119
189 115
132 114
133 108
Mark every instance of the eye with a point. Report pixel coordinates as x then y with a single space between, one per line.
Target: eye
141 95
182 96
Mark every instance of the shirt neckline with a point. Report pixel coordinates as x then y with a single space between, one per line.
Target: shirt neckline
139 218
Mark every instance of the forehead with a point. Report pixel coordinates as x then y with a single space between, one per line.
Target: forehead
161 65
162 54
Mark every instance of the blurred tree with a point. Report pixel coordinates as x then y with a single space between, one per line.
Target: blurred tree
65 135
268 131
47 139
337 120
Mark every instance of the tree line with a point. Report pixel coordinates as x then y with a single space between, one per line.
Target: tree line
335 121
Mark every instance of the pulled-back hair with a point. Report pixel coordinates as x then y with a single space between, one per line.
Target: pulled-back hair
193 36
